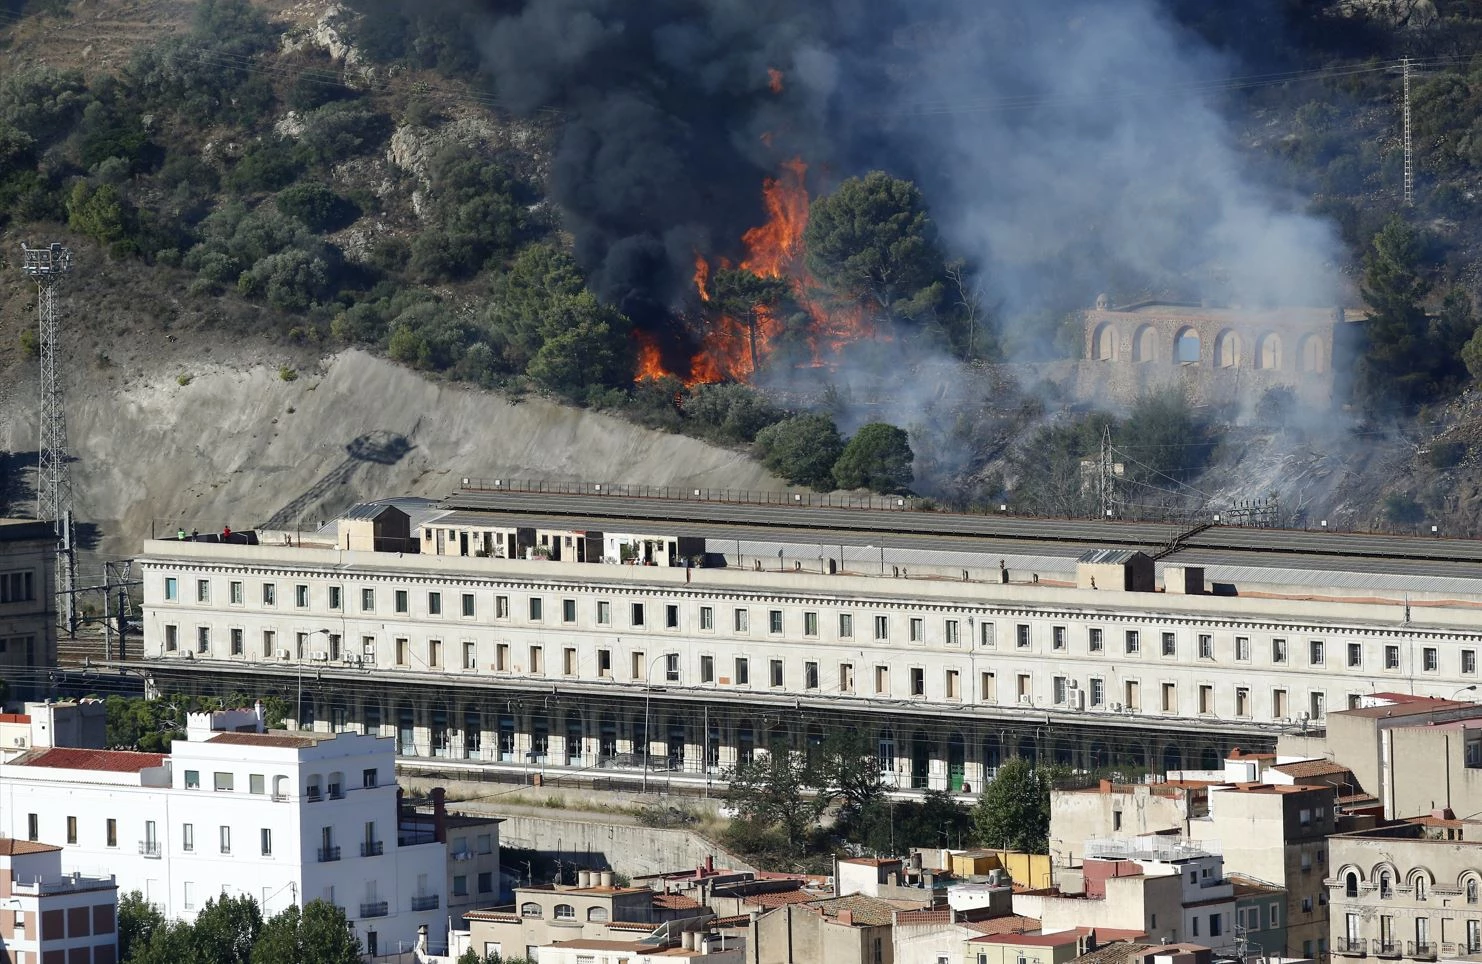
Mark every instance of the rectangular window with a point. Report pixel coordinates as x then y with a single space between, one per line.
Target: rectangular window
401 601
334 597
988 687
1315 652
486 882
636 615
33 826
367 600
1242 701
301 596
1094 640
1098 691
234 593
111 832
810 675
1469 661
537 609
882 627
568 610
224 780
846 677
882 680
774 621
918 681
1206 699
1058 690
192 779
172 638
172 589
1021 636
707 669
1057 638
1206 646
1134 643
203 639
810 624
72 830
1355 655
1242 649
707 618
188 837
501 657
537 660
776 672
950 685
203 590
1170 698
1133 695
1430 660
1279 707
1278 651
369 780
1170 644
434 654
226 839
189 891
846 625
468 605
671 616
1391 657
501 607
917 629
671 667
470 655
636 667
568 661
434 604
238 645
1026 688
265 837
604 663
989 635
256 783
950 632
403 654
743 672
604 613
1318 701
742 621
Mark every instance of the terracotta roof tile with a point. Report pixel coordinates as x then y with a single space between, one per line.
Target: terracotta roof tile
110 761
10 847
676 902
264 739
779 898
1310 768
1008 924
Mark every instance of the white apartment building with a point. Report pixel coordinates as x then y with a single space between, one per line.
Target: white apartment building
28 635
284 818
953 662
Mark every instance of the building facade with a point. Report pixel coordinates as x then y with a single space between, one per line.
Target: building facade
283 818
535 662
51 917
28 632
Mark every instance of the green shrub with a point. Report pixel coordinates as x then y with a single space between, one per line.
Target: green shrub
1446 455
267 165
317 206
287 374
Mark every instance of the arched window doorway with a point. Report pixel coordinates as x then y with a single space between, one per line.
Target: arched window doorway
1310 354
1145 345
1268 351
1227 350
1186 349
1104 343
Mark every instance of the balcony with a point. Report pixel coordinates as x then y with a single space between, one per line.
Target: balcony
1421 951
372 848
428 902
280 798
328 854
150 849
1351 946
374 909
1389 949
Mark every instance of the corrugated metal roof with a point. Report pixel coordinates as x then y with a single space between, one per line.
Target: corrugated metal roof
1109 556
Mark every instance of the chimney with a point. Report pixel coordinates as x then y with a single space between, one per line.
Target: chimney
846 917
421 939
439 815
710 863
606 878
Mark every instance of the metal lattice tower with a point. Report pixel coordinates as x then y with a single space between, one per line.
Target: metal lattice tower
1409 156
47 266
1105 473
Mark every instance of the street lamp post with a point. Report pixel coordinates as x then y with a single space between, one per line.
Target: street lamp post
648 693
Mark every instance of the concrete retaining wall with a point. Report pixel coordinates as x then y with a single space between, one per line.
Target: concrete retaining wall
631 850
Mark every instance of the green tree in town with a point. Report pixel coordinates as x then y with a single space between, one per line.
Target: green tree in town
1163 440
1013 811
892 827
226 930
317 933
772 789
802 449
844 771
138 919
877 458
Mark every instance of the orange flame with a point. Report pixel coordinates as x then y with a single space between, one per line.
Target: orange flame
774 80
702 277
650 360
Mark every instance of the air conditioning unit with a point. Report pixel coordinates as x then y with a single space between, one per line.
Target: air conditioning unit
284 654
1026 699
1073 684
351 659
320 657
1115 707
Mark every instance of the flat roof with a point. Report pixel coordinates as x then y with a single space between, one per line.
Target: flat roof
108 761
1408 706
282 740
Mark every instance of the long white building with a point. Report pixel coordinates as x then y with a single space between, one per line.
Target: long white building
489 629
284 818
